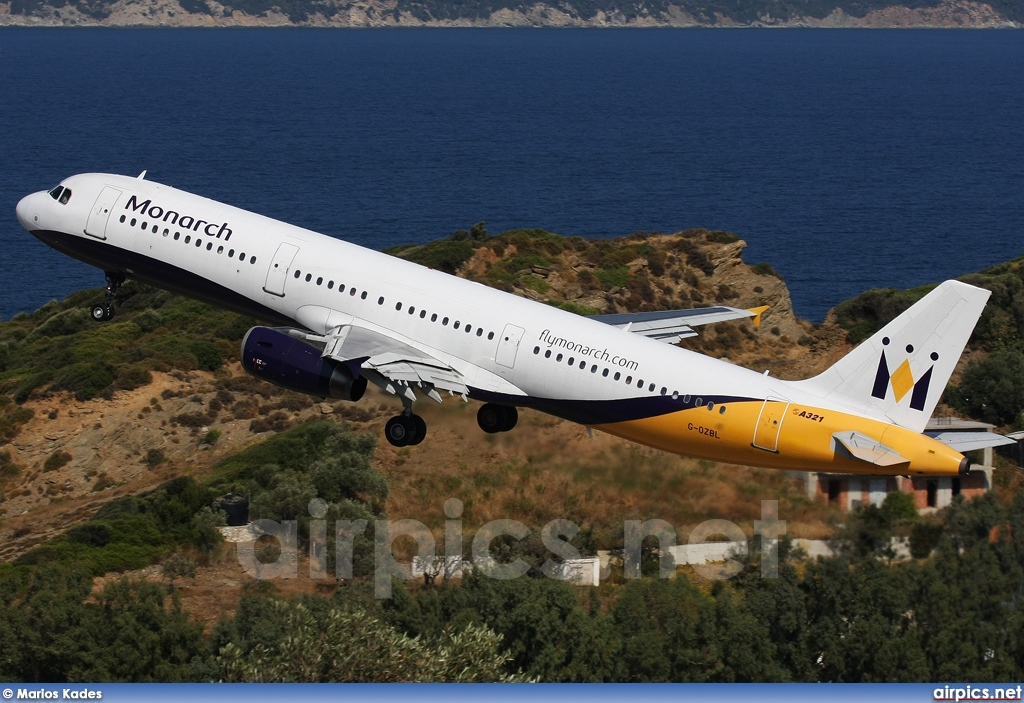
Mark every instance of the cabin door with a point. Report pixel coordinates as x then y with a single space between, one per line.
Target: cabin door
769 424
96 226
508 345
279 268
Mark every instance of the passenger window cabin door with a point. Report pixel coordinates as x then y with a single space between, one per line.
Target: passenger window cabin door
508 345
280 266
96 226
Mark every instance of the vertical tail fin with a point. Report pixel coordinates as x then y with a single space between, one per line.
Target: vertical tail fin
900 373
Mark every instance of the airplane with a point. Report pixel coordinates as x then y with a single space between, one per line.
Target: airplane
345 316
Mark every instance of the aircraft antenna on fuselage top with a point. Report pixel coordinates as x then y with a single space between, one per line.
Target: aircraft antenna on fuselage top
142 176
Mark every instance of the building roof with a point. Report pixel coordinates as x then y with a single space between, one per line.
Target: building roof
957 424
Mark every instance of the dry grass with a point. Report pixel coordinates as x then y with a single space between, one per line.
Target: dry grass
548 469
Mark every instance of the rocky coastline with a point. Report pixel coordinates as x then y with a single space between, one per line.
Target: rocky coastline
949 14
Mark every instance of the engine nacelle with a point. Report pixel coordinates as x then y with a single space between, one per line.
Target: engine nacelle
291 363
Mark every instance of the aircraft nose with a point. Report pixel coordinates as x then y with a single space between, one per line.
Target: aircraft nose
28 214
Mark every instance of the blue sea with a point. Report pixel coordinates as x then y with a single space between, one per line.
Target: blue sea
848 159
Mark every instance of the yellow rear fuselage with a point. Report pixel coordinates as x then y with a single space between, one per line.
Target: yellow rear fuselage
779 434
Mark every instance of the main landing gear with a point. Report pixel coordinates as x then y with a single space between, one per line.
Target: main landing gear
405 430
408 429
494 418
102 313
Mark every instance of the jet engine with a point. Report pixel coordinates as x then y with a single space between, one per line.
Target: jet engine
293 364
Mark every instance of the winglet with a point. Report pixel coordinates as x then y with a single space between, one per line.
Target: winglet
757 312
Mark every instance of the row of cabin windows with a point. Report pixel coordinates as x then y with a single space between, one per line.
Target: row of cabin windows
628 380
330 285
398 306
145 226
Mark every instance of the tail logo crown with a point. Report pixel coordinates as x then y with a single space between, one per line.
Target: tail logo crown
902 380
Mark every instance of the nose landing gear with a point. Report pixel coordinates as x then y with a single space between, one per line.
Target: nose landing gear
104 312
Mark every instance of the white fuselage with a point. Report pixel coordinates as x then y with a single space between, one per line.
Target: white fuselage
499 342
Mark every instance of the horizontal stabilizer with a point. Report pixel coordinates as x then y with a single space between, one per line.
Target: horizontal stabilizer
671 326
969 441
862 447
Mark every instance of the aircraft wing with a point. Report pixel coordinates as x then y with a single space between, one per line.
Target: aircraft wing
390 363
671 326
859 446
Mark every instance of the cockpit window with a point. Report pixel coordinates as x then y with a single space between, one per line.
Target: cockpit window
61 194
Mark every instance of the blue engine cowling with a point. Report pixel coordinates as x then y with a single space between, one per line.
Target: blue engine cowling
291 363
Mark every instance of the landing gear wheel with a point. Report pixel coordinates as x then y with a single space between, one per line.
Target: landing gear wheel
398 431
421 429
511 418
100 313
405 430
494 418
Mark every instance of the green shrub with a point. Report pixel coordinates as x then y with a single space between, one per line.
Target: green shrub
12 418
128 377
924 537
295 450
535 241
538 285
619 257
275 422
8 469
992 389
103 482
129 505
57 460
96 534
178 566
612 278
869 312
148 320
899 508
700 260
570 306
30 383
64 323
85 379
208 355
525 262
444 255
720 237
193 420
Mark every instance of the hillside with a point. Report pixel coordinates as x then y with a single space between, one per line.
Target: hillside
92 412
116 438
89 413
514 13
